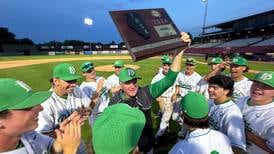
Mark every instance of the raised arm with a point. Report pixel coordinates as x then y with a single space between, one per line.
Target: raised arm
157 88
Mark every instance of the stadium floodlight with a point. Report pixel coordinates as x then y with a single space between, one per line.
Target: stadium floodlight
204 22
88 21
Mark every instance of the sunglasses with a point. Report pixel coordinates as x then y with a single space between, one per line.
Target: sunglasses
117 67
89 71
71 81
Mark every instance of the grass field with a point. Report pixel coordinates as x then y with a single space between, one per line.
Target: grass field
37 76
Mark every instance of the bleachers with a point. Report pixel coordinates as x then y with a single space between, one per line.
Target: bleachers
266 42
208 45
240 42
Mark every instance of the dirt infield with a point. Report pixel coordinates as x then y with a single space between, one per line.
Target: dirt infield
19 63
110 68
106 68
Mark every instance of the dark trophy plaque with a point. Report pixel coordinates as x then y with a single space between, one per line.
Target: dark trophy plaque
147 32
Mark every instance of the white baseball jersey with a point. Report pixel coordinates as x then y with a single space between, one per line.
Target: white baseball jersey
241 89
203 141
228 119
260 121
34 143
170 91
113 80
187 83
202 88
57 109
89 88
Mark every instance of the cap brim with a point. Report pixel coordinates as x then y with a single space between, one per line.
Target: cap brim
33 100
263 82
130 79
72 77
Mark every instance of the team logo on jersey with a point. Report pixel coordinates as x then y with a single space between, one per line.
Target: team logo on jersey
72 70
247 124
23 85
266 76
213 123
130 72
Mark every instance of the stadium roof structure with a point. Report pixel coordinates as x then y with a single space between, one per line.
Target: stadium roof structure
251 22
253 33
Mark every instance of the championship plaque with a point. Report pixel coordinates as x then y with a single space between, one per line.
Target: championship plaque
147 32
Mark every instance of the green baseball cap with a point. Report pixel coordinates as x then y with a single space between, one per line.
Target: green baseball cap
15 94
118 63
118 129
86 66
164 57
127 74
194 105
216 60
65 71
265 77
167 61
239 61
190 61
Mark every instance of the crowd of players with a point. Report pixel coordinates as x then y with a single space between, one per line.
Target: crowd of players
218 112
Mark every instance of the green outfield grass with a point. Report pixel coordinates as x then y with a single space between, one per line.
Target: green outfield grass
37 76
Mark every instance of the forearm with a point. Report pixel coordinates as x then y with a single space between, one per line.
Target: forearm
260 142
177 62
212 73
162 85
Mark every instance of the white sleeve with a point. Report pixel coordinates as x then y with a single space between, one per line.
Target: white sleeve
235 131
46 119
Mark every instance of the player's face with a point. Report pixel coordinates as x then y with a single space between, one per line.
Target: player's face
165 68
261 94
117 70
214 66
91 74
64 87
21 121
217 93
130 88
236 70
189 69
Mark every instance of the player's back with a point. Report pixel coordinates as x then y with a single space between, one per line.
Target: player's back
203 141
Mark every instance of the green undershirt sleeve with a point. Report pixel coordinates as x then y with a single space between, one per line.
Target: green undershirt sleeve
156 89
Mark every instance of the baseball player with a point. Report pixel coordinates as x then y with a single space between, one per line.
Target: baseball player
96 88
118 129
160 99
188 79
65 99
167 108
113 80
217 66
242 84
19 108
224 115
258 113
185 82
142 97
200 138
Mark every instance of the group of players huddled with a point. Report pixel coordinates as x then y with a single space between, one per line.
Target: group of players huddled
217 113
